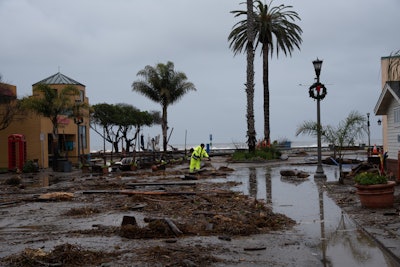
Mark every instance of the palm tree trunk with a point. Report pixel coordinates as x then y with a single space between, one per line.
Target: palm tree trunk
164 126
54 143
267 130
251 132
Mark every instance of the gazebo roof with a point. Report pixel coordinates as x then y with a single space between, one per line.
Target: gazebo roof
58 78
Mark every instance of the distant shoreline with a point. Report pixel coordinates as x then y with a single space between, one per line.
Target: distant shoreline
300 146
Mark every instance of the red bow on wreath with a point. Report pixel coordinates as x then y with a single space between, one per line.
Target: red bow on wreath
319 95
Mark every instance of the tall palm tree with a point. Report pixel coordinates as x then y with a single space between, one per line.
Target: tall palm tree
275 29
250 35
251 131
52 103
348 131
162 84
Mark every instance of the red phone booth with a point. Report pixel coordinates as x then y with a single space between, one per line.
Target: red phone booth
16 151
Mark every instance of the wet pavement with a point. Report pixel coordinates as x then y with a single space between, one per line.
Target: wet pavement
338 236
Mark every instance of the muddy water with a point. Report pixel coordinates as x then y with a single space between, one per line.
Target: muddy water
333 237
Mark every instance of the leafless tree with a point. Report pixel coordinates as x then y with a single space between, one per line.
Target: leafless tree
9 105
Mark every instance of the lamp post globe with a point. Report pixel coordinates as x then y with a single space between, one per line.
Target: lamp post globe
317 67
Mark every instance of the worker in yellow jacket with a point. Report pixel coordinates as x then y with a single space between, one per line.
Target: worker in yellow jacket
195 160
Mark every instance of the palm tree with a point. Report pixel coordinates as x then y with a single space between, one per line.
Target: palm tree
394 66
275 29
162 84
250 32
52 103
350 130
251 132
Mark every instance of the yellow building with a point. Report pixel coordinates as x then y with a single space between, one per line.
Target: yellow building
37 130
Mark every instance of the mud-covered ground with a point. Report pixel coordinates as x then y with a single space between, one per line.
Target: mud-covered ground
144 218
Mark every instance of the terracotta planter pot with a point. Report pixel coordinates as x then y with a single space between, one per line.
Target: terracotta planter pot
85 169
376 196
133 167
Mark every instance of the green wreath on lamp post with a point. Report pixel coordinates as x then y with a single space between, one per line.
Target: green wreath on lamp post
315 91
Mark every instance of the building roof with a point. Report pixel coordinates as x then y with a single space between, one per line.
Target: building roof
58 78
6 90
390 92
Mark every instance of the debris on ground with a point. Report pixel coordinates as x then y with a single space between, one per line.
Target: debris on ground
159 205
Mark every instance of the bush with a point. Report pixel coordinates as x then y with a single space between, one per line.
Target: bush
369 178
267 153
30 166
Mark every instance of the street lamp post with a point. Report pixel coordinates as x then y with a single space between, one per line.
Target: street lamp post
318 92
369 136
78 121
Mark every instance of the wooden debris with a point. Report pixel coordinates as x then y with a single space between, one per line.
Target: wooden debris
138 206
209 213
56 196
225 238
157 184
254 248
189 177
226 169
132 192
159 193
293 173
9 203
173 227
168 221
165 193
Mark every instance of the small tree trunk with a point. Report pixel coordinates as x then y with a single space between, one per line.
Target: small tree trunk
341 178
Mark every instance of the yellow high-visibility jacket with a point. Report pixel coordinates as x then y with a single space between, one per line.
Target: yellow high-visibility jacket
199 153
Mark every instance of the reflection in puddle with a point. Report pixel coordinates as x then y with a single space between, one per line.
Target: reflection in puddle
40 181
327 230
44 181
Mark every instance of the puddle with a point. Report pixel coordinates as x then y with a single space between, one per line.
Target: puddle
330 233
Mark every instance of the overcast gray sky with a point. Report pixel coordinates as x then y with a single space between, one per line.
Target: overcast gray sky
103 44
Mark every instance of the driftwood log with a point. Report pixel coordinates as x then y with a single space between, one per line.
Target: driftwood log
160 184
133 192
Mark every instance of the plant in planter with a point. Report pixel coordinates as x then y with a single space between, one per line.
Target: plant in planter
105 169
134 166
113 166
85 168
374 190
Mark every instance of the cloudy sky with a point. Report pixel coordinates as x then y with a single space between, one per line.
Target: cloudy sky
103 44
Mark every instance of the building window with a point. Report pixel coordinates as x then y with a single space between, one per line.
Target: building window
396 115
81 95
